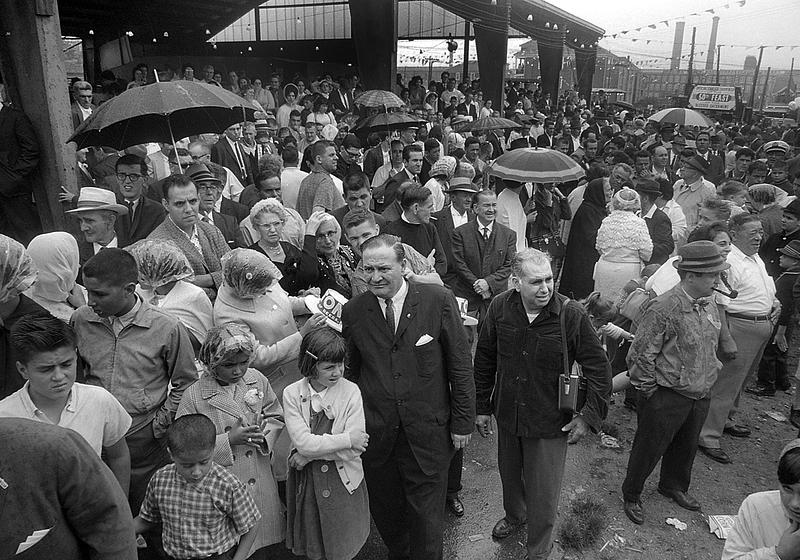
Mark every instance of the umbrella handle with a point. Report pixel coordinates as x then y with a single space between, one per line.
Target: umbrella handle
174 145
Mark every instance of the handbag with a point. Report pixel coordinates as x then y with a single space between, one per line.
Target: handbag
571 382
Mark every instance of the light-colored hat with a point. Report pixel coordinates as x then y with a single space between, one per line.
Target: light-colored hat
445 165
329 132
330 305
93 199
462 184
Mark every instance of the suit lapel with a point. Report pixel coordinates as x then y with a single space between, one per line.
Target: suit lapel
409 310
373 309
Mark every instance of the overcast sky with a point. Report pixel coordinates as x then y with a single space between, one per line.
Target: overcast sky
758 22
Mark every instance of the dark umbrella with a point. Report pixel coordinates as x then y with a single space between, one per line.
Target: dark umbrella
161 112
487 123
389 121
624 105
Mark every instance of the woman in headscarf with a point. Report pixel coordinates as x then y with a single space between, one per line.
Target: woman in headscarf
164 274
440 174
624 244
298 268
335 262
251 296
581 255
290 93
17 274
766 522
248 417
55 255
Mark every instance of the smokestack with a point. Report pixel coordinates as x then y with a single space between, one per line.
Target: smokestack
712 44
677 46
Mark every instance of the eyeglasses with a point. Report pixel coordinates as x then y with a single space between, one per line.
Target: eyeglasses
132 177
269 226
210 187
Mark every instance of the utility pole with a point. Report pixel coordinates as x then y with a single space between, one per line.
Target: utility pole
465 72
764 92
789 81
688 89
755 82
719 47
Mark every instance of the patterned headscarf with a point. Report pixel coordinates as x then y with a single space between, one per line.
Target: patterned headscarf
17 271
223 340
248 273
160 263
56 257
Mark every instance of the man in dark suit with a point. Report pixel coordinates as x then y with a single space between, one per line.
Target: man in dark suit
19 156
341 100
716 166
378 156
482 250
468 107
82 107
144 214
405 346
658 223
412 161
432 154
546 140
228 153
209 192
455 214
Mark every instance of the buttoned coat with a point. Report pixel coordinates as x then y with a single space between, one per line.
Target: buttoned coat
478 259
443 221
250 465
425 388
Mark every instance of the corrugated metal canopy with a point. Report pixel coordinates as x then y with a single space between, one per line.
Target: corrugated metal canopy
183 19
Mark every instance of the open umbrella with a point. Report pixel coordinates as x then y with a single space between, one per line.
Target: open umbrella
378 98
536 165
161 112
389 121
487 123
680 116
624 105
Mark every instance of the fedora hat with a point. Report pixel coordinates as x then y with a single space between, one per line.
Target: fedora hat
199 173
330 305
92 199
793 208
462 184
791 249
700 256
697 163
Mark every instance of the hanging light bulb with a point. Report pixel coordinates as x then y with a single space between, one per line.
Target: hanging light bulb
494 2
129 33
298 20
547 25
214 46
530 17
91 32
208 31
555 27
316 48
249 49
166 34
155 40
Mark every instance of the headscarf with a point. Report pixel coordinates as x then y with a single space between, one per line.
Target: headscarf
160 263
55 255
17 271
224 340
595 193
248 273
445 166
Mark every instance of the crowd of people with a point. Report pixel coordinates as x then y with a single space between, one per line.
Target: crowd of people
261 333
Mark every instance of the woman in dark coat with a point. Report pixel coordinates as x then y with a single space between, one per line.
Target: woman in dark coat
581 255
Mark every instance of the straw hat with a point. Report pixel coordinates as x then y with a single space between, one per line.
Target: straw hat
93 199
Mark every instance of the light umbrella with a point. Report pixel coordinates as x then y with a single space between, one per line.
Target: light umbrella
536 165
378 98
487 123
680 116
161 112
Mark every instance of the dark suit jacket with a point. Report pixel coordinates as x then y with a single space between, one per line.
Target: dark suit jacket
464 109
476 259
19 151
336 104
77 116
443 221
390 191
660 228
716 169
235 209
229 228
222 153
544 141
426 390
372 161
146 218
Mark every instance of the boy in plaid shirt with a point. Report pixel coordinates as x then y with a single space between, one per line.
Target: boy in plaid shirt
205 510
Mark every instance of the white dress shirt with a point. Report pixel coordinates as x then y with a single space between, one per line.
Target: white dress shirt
398 300
114 243
458 219
749 277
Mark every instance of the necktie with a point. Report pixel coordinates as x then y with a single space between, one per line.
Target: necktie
390 314
699 304
207 218
486 233
131 210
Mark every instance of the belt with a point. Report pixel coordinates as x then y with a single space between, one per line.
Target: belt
754 318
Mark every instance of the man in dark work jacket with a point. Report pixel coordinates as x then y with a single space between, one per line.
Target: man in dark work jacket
518 361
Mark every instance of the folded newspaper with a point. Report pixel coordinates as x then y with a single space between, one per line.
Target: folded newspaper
721 525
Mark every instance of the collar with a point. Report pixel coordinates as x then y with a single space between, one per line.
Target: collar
232 143
456 213
406 220
480 226
110 245
33 410
189 235
553 306
739 254
400 295
128 317
650 212
694 186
